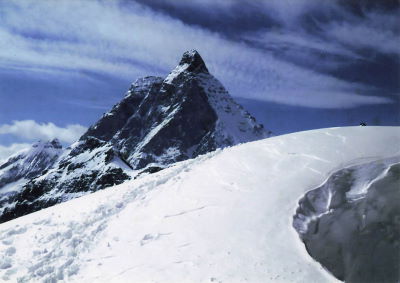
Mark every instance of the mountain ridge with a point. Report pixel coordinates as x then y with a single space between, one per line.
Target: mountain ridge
160 121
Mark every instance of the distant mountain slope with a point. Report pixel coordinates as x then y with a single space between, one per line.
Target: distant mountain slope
24 165
225 216
159 122
30 162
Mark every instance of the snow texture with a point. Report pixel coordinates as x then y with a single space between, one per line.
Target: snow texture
223 217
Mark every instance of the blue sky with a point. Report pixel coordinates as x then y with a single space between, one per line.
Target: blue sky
295 64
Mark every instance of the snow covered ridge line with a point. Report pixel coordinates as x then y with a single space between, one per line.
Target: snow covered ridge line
223 217
352 218
159 122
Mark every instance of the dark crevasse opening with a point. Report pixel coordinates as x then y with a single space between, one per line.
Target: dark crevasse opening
351 223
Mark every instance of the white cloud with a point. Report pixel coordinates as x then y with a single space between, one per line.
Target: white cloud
289 39
31 130
362 35
289 11
132 41
7 151
329 99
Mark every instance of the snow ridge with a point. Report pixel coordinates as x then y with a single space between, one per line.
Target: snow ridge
224 216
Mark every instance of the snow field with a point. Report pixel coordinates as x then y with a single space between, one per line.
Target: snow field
222 217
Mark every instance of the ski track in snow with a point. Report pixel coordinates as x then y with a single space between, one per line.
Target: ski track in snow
77 240
184 212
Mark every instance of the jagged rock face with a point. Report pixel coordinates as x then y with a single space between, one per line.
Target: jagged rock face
186 114
159 122
114 120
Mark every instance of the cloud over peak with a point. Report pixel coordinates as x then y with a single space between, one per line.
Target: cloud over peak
7 151
31 130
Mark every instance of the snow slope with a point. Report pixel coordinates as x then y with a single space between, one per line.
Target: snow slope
223 217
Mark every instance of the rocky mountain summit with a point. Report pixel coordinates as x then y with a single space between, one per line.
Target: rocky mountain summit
157 123
162 121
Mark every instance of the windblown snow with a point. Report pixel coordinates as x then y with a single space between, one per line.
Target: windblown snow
223 217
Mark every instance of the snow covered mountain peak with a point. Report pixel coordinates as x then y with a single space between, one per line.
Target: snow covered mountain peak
157 123
234 124
188 113
30 162
26 164
194 62
191 63
55 144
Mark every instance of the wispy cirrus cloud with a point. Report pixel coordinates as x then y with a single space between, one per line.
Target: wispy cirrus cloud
376 32
350 40
31 130
130 39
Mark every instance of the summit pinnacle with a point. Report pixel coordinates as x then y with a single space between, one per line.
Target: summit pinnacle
194 61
